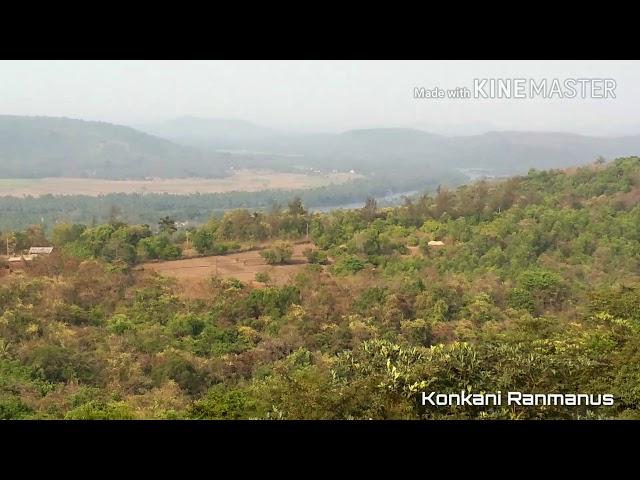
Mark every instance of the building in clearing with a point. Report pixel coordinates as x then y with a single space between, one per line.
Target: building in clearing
435 243
40 250
19 258
18 262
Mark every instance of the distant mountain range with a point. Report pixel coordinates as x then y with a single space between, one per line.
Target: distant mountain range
34 147
505 152
45 146
501 152
205 132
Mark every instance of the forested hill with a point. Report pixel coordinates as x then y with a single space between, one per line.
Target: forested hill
534 288
615 184
36 147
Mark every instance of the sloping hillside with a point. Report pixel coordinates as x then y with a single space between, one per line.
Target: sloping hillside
32 147
515 152
388 149
206 132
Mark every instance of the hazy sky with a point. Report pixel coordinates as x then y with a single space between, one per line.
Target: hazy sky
317 95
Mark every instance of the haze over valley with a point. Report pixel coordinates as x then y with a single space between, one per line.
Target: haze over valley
41 147
308 240
222 135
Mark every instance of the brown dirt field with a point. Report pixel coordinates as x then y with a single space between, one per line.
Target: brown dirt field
192 273
240 181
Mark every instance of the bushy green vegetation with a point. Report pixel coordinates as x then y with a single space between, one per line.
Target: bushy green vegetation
278 254
19 213
315 256
536 290
115 241
262 277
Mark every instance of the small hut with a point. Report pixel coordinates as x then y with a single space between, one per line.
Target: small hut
18 262
40 250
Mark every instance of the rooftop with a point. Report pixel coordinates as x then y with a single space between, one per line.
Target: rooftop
40 250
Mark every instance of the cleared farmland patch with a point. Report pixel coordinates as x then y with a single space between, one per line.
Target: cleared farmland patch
190 273
244 180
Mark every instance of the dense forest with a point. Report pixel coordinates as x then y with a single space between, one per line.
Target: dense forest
48 210
535 288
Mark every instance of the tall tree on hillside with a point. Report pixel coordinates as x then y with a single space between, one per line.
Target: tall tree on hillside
35 236
10 243
444 201
114 214
296 207
167 225
370 209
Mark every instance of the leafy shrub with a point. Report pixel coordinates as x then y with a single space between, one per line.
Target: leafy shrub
273 301
348 265
186 324
417 332
72 314
315 256
520 298
159 246
222 248
218 341
119 323
60 364
180 370
12 408
263 277
371 297
203 241
278 254
619 301
96 410
221 403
